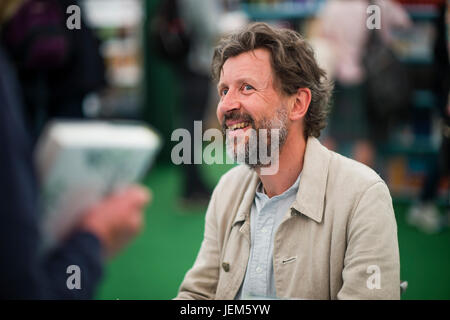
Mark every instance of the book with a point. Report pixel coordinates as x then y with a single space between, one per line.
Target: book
79 163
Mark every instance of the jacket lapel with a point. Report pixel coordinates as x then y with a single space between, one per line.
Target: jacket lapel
311 191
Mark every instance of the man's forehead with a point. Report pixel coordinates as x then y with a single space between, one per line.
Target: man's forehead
255 64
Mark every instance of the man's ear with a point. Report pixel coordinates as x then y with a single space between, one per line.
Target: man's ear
301 102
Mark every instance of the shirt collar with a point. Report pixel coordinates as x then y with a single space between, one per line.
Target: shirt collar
260 193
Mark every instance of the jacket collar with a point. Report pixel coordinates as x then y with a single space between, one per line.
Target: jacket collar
248 198
311 191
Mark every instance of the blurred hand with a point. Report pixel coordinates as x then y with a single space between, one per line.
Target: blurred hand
117 219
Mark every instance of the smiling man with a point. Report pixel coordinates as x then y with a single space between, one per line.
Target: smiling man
321 226
253 139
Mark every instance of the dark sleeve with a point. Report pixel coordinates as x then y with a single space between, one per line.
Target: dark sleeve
24 273
82 250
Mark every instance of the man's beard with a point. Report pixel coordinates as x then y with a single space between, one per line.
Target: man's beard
255 146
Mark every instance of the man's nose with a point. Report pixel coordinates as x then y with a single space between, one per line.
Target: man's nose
228 103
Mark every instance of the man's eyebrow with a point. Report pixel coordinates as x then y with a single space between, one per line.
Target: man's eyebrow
221 85
240 81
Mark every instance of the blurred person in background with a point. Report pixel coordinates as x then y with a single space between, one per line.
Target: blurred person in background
205 22
424 213
341 38
195 26
102 231
57 67
201 21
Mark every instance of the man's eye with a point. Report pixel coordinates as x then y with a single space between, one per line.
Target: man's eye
248 87
224 92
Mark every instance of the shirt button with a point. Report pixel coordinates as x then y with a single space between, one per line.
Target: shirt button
264 230
258 269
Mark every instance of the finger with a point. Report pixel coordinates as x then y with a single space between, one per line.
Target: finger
139 195
135 222
134 197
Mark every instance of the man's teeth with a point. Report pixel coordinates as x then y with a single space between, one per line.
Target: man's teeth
239 125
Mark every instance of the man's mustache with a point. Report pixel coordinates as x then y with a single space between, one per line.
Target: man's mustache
236 115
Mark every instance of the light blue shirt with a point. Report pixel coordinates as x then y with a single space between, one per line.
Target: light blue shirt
265 217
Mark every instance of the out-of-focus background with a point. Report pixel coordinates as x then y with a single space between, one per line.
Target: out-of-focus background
149 60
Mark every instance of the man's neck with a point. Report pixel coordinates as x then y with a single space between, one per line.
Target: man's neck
290 166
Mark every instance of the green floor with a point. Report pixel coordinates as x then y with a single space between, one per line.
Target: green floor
154 265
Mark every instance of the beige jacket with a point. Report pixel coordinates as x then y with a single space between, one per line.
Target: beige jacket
337 241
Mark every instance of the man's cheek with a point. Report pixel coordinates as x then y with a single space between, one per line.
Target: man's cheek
219 115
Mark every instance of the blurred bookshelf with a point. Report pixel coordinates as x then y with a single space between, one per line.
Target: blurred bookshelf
118 25
281 10
421 11
413 149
